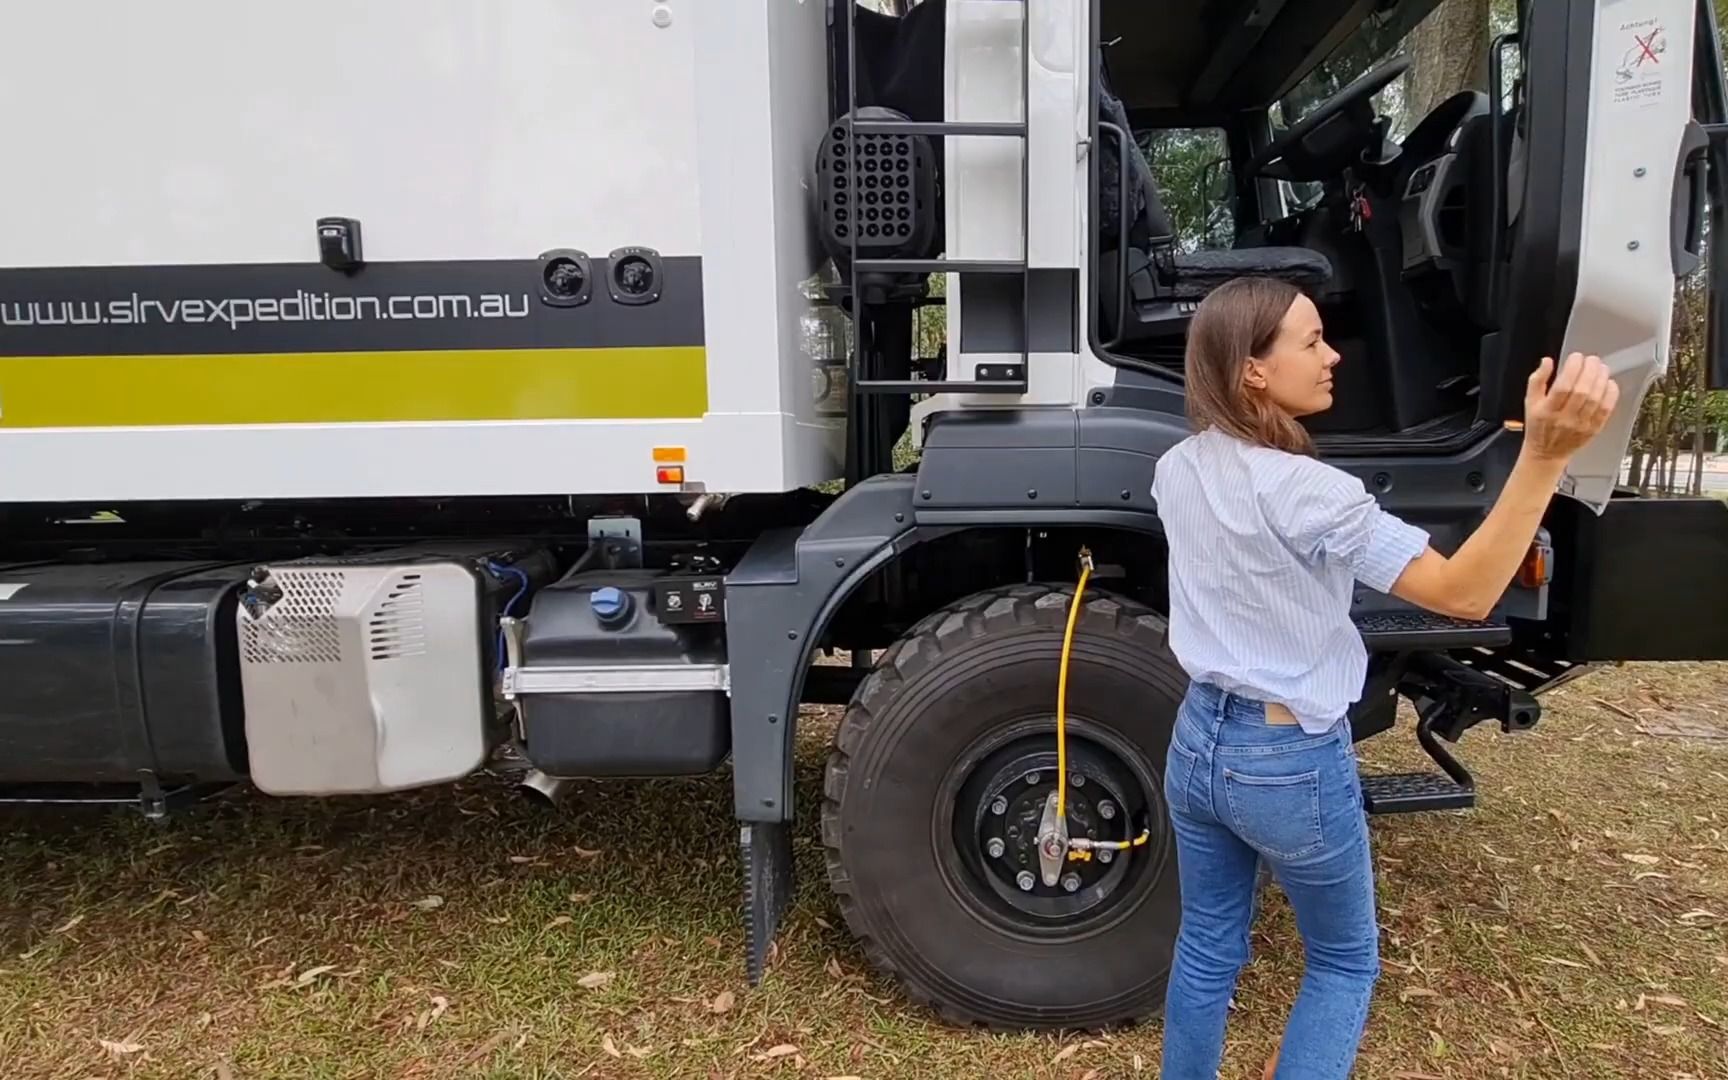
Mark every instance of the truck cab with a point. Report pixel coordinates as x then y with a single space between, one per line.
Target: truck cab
569 391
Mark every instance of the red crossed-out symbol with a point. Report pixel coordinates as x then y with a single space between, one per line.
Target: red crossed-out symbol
1644 47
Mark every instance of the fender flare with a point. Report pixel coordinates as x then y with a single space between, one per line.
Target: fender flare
1002 469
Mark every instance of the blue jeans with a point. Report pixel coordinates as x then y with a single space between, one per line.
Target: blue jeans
1242 791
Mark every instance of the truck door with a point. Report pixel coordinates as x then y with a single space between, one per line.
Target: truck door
1603 200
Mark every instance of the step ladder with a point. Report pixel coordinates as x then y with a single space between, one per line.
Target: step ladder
877 142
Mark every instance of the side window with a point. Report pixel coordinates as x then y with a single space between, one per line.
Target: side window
1192 169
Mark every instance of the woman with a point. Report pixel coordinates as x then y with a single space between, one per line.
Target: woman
1266 546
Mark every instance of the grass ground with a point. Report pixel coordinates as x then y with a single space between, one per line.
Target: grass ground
1575 925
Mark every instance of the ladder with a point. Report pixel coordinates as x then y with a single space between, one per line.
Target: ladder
1004 379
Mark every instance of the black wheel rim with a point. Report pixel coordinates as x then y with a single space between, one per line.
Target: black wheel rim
990 805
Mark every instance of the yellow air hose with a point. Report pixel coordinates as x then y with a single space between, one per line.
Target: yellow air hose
1079 848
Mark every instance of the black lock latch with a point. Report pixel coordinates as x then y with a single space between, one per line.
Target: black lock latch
339 243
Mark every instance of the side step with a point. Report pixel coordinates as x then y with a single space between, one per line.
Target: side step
1416 630
1411 793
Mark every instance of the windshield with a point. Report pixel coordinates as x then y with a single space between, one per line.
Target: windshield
1448 51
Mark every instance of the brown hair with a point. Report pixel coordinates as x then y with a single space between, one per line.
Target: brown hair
1238 320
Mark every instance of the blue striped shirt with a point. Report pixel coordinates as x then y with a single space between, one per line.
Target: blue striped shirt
1265 551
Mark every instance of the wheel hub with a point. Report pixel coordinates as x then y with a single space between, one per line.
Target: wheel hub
1017 848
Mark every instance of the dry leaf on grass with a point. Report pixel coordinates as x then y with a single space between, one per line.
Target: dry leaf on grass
440 1006
1642 860
775 1053
594 980
585 853
609 1046
123 1046
429 903
487 1048
1561 961
1065 1053
561 920
1411 993
310 975
723 1002
69 924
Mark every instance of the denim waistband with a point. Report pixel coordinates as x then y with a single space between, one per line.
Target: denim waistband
1234 706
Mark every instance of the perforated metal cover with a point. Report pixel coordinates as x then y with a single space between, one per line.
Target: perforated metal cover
302 626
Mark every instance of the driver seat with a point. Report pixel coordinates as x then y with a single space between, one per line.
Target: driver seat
1164 286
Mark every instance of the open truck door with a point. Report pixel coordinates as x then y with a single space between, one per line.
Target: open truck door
1616 171
1605 198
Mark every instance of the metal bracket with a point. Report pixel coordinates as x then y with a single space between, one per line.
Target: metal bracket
616 679
1052 843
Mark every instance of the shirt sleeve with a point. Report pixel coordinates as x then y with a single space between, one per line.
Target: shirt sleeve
1325 514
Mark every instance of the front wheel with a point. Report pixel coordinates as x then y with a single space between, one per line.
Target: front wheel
934 794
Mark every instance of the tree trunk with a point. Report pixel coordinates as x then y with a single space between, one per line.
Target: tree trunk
1448 53
1699 429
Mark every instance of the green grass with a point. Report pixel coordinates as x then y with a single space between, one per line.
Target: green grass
1572 926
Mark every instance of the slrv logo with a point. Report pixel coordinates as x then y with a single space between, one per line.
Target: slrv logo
235 312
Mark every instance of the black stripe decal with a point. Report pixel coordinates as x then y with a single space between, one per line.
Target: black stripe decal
305 307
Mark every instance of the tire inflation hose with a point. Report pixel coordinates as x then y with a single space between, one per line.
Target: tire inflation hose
1079 848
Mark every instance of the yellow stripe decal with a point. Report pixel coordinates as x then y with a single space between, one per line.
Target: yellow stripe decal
353 387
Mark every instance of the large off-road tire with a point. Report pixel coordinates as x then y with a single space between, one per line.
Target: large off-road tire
949 746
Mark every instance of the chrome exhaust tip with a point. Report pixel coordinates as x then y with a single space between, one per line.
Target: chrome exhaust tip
548 791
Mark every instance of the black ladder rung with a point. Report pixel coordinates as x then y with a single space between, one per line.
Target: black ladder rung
941 386
938 127
939 266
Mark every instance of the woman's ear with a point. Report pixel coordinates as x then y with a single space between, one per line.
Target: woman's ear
1253 375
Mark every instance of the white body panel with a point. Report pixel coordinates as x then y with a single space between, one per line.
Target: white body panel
208 131
1640 102
199 133
364 679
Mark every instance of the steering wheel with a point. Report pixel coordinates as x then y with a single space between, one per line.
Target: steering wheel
1323 143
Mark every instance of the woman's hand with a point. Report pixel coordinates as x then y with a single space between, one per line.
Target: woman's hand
1560 420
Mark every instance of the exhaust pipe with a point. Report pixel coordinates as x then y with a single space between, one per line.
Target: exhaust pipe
541 788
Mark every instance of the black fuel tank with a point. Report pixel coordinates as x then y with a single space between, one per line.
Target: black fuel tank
110 669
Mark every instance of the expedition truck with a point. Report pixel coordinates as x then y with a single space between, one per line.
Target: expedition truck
395 391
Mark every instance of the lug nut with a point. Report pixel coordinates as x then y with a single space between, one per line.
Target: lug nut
1106 810
1026 880
1078 781
1106 855
995 847
1071 882
1032 777
1000 806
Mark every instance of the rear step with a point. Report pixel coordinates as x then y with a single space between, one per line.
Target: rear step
1415 630
1450 699
1412 793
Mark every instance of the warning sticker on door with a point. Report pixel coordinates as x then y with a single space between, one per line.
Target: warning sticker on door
1639 77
